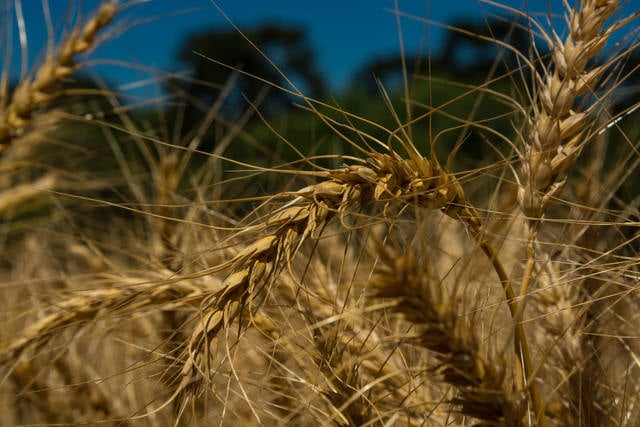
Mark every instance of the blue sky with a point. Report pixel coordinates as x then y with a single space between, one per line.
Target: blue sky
344 34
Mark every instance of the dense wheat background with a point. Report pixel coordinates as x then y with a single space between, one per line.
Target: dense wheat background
471 260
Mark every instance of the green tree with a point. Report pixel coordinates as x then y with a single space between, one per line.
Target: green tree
214 56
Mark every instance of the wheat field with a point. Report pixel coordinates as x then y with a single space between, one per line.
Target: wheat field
147 281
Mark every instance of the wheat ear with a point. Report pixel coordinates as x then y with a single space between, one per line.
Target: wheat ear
85 306
32 94
557 122
387 178
21 196
482 392
555 132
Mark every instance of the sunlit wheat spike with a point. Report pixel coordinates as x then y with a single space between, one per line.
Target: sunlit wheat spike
555 128
482 391
33 93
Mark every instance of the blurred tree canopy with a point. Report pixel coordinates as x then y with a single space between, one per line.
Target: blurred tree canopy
450 93
442 89
215 56
220 57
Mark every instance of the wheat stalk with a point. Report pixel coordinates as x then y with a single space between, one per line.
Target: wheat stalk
556 130
386 178
338 369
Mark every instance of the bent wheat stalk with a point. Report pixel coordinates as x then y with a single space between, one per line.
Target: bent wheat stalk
386 178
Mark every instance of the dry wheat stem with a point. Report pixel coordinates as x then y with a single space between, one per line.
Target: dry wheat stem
32 94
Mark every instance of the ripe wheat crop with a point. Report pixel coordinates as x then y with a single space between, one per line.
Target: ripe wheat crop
144 283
